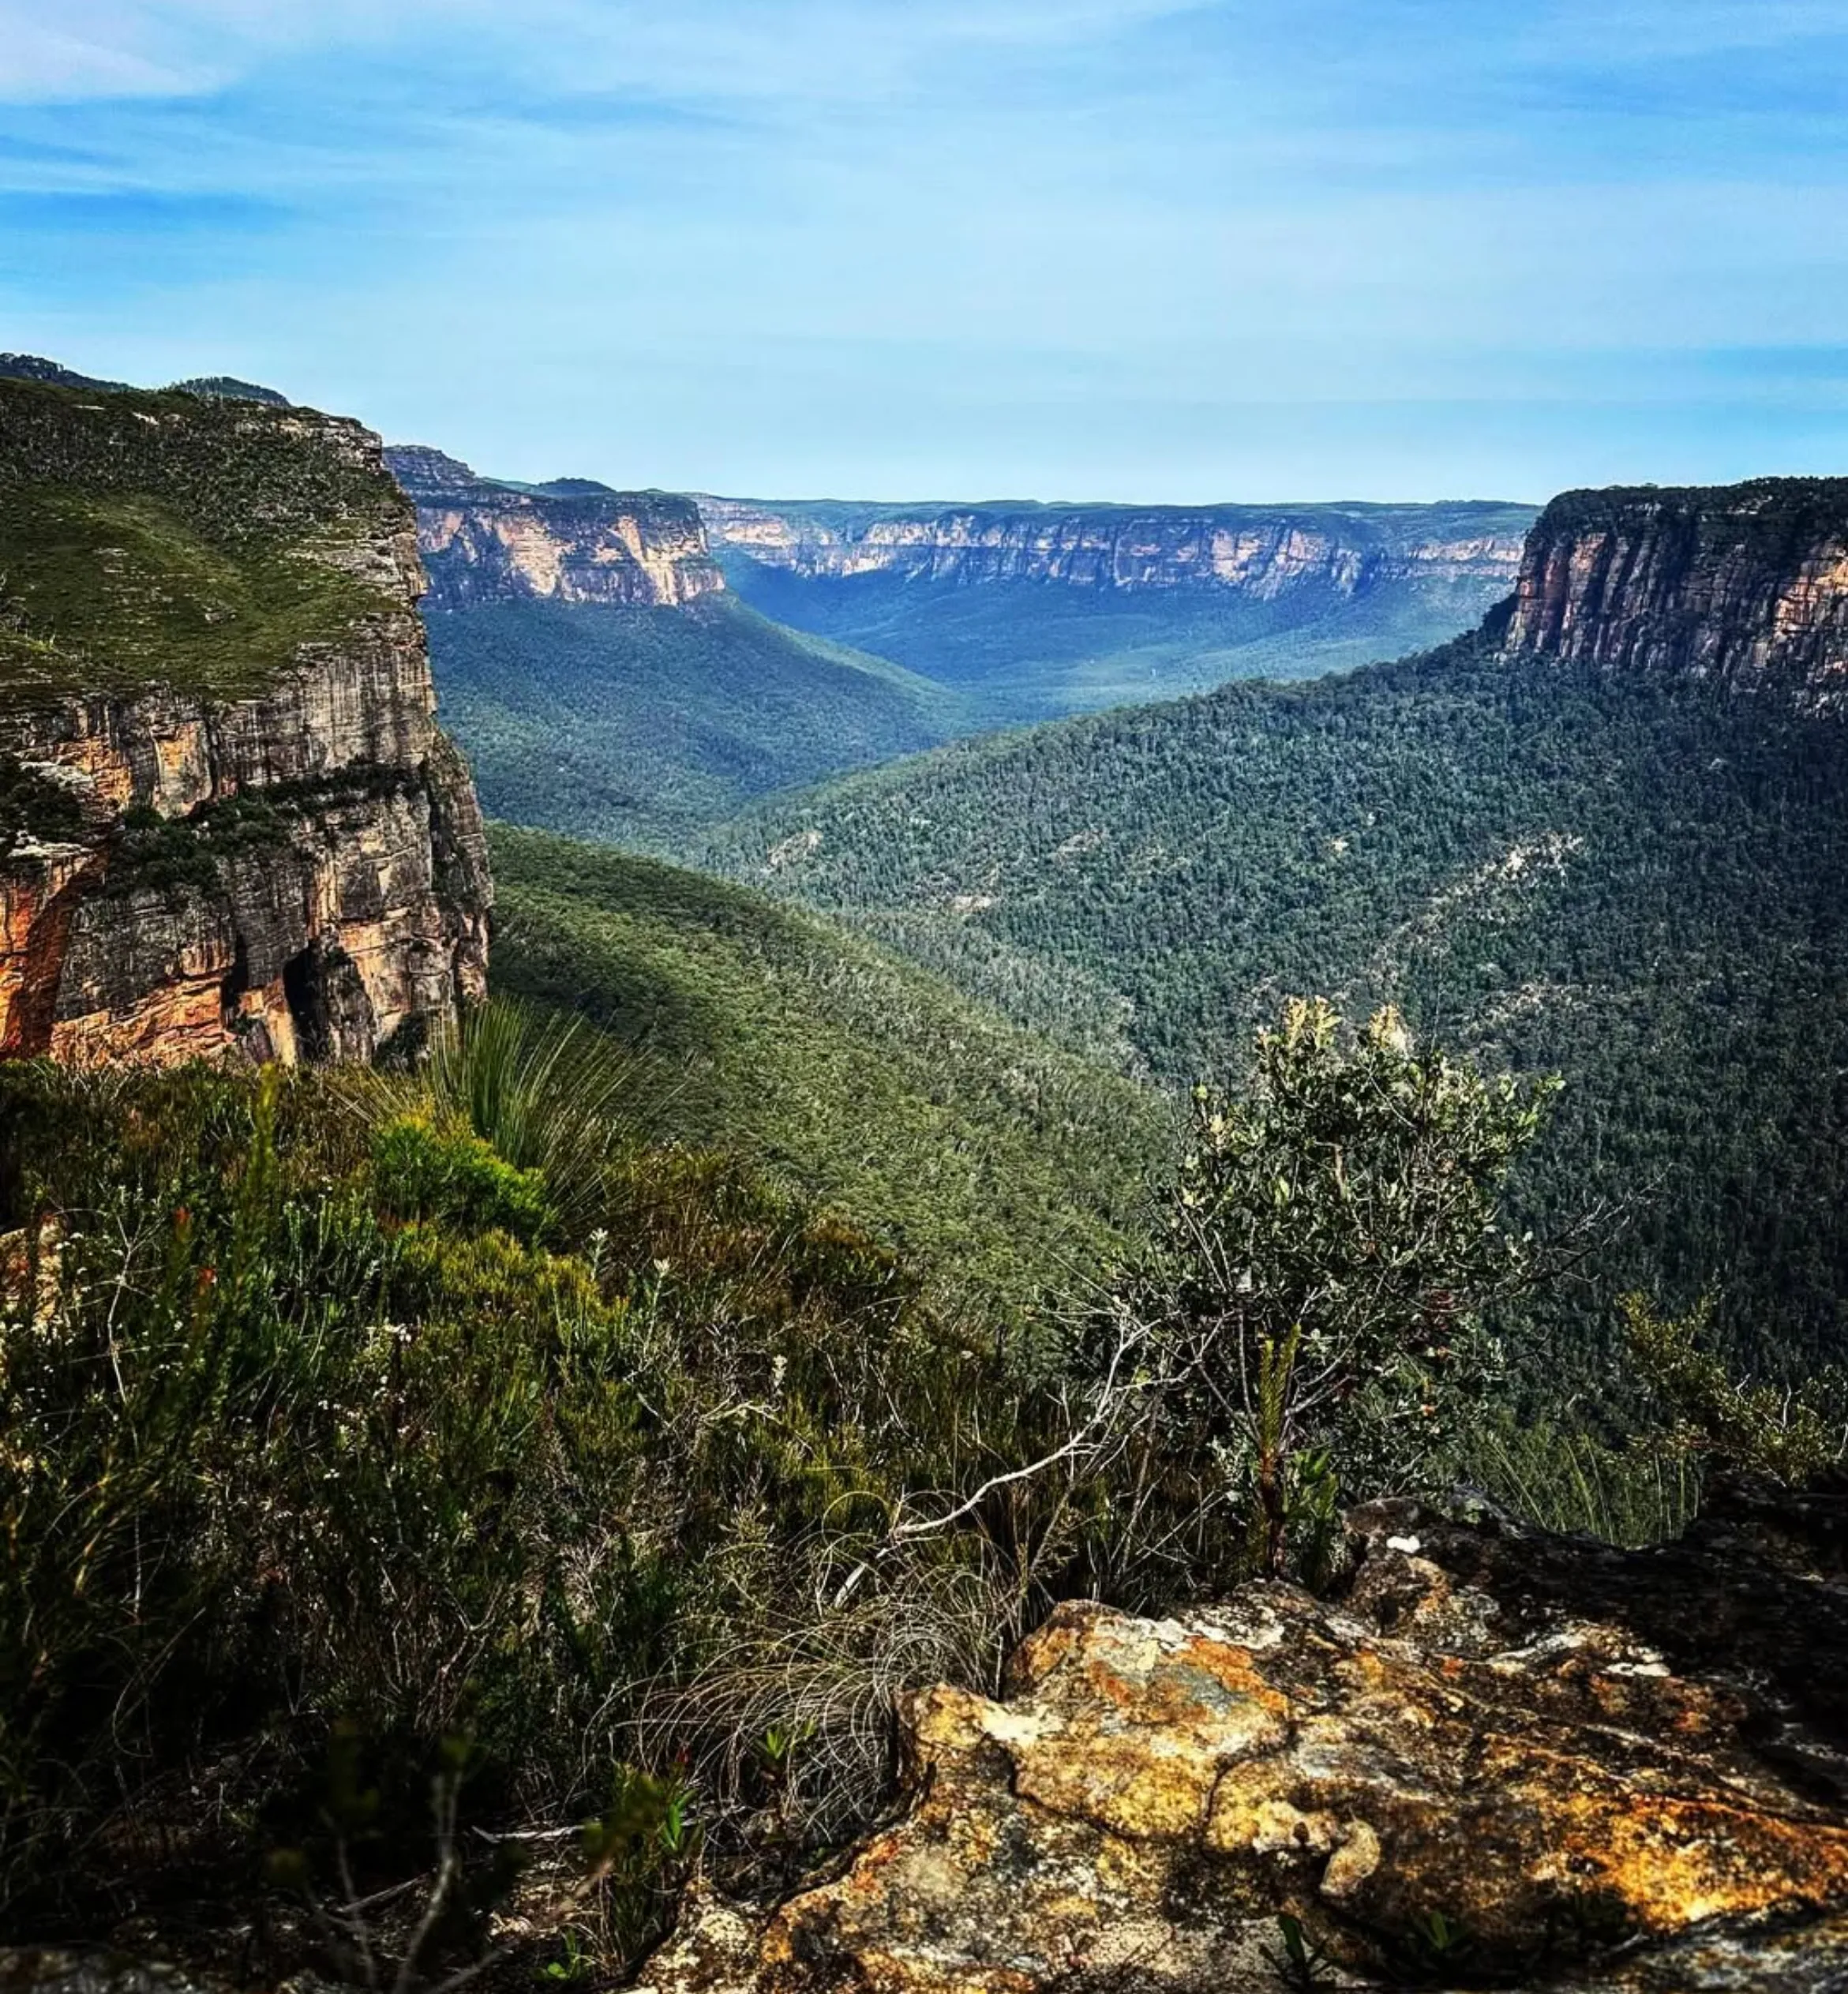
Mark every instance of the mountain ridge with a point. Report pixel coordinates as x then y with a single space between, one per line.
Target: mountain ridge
1037 610
1745 584
575 540
1116 544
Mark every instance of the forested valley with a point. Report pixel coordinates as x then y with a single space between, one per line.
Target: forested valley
1633 881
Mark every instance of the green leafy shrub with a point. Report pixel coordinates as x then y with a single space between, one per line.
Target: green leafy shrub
452 1177
1790 1434
1311 1310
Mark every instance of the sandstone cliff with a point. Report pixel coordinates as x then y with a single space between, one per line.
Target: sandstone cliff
228 821
1496 1760
1258 552
572 541
1743 585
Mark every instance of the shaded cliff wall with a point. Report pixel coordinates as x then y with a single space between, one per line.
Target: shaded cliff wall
1743 585
228 820
574 540
1259 551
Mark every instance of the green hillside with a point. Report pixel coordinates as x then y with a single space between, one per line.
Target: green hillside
853 1076
635 724
164 538
1637 885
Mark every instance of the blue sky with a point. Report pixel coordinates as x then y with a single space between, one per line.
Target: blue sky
1080 249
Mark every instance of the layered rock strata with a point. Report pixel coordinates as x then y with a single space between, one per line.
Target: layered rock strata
1256 552
1744 585
1496 1760
573 540
299 872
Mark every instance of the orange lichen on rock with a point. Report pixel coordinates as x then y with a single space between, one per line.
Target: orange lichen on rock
1537 1743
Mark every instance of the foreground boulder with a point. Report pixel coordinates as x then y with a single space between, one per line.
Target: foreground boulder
1498 1759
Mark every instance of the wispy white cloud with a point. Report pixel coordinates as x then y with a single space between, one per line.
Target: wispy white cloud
1066 242
748 49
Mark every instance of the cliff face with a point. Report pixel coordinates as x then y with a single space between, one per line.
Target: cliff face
228 821
573 540
1743 585
1258 551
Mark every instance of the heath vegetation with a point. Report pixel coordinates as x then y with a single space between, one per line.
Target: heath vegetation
403 1473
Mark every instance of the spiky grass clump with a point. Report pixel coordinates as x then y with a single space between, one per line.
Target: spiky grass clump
545 1090
1645 1492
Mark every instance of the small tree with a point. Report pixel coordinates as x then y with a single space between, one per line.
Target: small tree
1313 1303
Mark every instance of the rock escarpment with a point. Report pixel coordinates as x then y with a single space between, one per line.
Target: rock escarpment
1745 585
228 820
1496 1759
572 541
1260 553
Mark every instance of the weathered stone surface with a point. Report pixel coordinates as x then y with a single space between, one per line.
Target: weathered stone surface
1599 1769
1246 550
1745 585
573 541
170 920
57 1969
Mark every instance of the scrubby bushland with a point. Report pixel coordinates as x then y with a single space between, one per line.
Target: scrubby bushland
995 1160
331 1437
370 1438
1631 883
643 725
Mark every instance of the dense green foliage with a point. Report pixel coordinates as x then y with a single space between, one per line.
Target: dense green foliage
635 725
848 1073
1634 885
1311 1309
325 1428
1019 651
366 1438
164 538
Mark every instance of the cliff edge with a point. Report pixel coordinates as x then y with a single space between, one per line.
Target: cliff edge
571 541
228 820
1496 1759
1260 553
1743 585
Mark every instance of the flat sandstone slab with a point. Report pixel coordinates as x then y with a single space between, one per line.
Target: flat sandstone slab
1498 1758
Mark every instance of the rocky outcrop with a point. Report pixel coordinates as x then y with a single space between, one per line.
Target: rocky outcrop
1261 553
1744 585
204 849
1497 1758
572 541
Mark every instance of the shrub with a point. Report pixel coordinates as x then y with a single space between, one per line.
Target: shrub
1311 1311
1791 1434
311 1427
547 1091
453 1178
